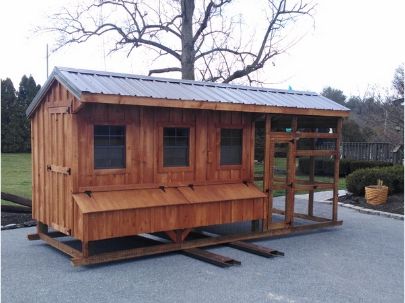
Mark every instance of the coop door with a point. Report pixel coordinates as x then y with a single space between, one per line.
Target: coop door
282 170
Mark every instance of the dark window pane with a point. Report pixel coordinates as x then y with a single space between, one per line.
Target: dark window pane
101 130
175 147
115 140
231 146
182 132
116 130
169 132
109 146
101 140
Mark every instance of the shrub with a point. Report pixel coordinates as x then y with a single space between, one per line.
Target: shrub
325 167
393 177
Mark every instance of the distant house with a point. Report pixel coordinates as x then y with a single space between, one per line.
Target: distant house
117 155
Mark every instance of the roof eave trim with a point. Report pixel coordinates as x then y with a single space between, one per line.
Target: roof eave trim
55 75
207 105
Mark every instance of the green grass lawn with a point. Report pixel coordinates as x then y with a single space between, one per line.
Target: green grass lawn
16 175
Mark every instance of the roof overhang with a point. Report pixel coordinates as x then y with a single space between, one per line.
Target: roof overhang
55 76
207 105
94 91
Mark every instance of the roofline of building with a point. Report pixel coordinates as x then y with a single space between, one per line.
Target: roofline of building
208 105
85 97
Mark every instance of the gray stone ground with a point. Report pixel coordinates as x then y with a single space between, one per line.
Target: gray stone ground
361 261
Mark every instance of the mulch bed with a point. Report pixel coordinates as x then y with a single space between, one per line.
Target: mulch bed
16 219
394 204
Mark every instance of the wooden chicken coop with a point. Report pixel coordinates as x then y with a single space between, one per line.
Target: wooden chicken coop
118 155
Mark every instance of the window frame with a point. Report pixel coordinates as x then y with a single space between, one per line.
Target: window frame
231 166
112 170
191 148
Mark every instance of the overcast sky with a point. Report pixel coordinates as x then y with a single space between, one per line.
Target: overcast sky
353 46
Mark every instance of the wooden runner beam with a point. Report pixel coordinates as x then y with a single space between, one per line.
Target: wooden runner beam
52 234
16 199
259 250
15 209
171 247
210 257
302 216
60 246
196 253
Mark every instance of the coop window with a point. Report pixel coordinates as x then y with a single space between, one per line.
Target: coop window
109 146
231 146
176 146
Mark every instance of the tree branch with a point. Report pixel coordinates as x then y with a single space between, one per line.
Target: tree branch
164 70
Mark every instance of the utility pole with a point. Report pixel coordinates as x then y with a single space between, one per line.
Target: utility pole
47 63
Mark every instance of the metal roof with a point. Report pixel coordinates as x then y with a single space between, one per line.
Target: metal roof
80 81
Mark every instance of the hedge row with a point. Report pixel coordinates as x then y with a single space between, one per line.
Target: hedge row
325 167
393 177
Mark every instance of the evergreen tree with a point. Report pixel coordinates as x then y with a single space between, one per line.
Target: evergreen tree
8 109
26 93
15 126
334 94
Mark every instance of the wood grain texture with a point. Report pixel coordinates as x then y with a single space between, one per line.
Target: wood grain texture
119 223
129 200
52 142
144 148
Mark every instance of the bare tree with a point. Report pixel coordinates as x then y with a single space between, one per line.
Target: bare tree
398 81
202 41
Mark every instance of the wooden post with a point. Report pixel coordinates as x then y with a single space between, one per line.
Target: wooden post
255 224
311 181
85 241
336 170
85 249
42 228
292 152
268 172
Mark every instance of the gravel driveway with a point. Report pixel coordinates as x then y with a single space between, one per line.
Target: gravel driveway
361 261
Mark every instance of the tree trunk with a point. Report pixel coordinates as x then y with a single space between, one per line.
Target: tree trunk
187 43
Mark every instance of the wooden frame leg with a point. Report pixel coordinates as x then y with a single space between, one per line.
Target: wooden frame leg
85 249
311 181
42 228
178 235
255 225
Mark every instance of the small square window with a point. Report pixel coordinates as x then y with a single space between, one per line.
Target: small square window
109 146
231 146
176 146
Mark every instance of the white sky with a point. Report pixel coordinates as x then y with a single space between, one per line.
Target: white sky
353 46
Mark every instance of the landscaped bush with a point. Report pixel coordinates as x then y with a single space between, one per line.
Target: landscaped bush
325 167
393 177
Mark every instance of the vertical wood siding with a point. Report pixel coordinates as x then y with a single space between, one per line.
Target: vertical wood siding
52 140
144 146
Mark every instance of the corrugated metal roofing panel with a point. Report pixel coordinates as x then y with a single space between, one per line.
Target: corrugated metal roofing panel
80 81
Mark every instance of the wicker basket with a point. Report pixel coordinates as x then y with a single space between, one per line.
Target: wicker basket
376 194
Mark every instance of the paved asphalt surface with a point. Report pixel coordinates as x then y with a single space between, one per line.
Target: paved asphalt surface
361 261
